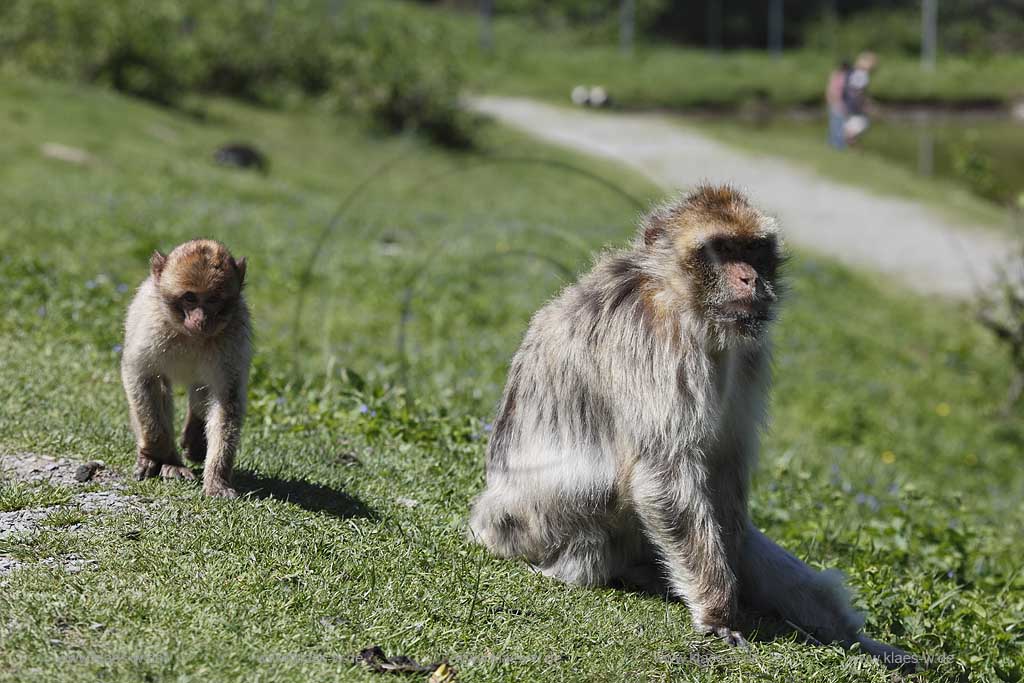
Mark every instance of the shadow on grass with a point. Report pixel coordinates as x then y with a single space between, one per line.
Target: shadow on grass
756 626
309 496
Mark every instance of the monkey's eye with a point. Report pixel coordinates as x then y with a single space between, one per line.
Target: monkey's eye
189 298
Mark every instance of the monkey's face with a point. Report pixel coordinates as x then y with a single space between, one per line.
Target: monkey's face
200 284
201 313
735 279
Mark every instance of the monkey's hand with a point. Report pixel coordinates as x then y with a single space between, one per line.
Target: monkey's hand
734 638
147 467
166 464
176 472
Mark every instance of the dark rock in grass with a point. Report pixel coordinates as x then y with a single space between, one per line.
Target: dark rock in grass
241 155
86 470
348 459
33 467
375 660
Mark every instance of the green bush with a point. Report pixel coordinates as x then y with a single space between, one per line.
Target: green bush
403 75
377 60
260 51
892 31
137 46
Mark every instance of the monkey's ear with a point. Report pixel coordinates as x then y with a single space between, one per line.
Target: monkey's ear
156 263
653 230
240 267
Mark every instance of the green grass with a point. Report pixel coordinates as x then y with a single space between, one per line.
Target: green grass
679 78
21 495
886 457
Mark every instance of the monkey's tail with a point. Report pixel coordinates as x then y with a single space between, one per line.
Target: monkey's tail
772 580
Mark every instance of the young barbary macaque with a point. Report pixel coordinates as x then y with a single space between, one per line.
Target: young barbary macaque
189 323
630 421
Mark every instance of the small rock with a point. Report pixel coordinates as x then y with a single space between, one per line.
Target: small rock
242 155
8 564
348 458
598 97
71 155
86 471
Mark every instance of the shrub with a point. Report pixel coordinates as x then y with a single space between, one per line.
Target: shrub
378 60
403 75
259 51
137 46
893 31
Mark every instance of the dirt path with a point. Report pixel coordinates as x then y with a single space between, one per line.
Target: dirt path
891 236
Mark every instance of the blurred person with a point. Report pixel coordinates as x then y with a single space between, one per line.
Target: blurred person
855 97
834 93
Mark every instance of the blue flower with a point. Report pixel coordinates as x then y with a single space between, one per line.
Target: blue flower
488 426
118 348
122 288
279 400
90 284
363 408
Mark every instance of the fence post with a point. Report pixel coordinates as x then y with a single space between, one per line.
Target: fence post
487 25
929 33
775 28
627 26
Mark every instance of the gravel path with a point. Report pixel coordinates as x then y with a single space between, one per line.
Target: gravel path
27 522
896 237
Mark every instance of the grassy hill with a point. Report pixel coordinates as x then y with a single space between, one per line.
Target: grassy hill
416 272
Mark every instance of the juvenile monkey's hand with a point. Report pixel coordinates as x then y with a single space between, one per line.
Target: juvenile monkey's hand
176 472
146 467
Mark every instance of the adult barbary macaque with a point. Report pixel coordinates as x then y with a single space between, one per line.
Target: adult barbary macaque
189 323
630 421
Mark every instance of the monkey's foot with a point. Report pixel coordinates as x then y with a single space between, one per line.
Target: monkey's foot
146 467
176 472
219 490
734 638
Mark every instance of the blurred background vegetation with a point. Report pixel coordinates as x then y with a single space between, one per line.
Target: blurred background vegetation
403 65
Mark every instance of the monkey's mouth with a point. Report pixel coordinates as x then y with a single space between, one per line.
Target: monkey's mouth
743 310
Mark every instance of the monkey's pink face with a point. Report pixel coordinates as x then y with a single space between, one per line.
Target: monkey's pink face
201 313
200 284
737 282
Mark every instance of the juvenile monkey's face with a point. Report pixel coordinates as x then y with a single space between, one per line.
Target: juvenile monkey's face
200 312
736 281
200 284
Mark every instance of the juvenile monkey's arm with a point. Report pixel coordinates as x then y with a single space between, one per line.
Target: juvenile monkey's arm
151 408
223 435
